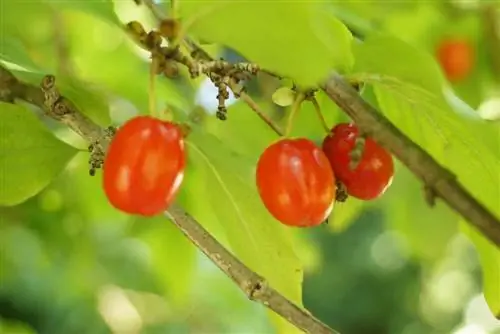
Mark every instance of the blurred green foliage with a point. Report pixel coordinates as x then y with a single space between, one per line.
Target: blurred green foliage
70 263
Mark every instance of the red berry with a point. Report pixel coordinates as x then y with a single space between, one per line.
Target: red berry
296 183
456 58
374 172
144 166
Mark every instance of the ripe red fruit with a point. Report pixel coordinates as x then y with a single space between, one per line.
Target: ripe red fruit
144 166
456 57
375 170
296 183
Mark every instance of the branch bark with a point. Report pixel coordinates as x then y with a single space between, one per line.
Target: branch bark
47 98
436 178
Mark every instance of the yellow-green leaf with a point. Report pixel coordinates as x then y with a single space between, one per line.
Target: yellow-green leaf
253 235
30 156
301 40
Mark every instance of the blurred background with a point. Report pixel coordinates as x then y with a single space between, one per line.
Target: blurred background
70 263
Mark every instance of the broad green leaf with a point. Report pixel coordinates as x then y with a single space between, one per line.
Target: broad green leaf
13 51
30 156
284 96
489 257
32 24
103 9
294 34
87 98
412 93
253 235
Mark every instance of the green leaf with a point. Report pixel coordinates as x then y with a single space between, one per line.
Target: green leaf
294 34
13 51
283 96
30 156
88 99
489 257
413 95
254 236
103 9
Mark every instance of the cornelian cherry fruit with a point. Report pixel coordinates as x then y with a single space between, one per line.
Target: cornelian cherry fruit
374 171
144 166
296 183
456 57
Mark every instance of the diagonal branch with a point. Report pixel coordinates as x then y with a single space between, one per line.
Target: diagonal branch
47 98
436 178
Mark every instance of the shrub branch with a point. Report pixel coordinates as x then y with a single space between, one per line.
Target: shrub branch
48 99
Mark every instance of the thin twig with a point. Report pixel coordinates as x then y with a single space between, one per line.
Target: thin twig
317 108
442 182
254 286
255 107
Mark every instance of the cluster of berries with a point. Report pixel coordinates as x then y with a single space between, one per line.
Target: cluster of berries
297 181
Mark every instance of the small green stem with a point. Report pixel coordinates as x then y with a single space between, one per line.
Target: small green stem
320 115
293 113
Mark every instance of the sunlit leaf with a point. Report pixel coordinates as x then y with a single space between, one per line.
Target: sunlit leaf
294 34
30 156
255 237
13 51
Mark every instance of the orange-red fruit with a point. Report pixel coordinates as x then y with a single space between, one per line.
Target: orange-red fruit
144 166
456 57
296 183
375 170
